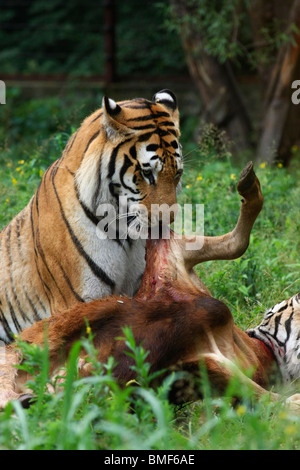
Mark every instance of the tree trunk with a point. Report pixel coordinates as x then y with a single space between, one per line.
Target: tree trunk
216 83
281 118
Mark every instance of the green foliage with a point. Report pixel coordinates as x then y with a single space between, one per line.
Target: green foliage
39 38
67 38
224 31
95 412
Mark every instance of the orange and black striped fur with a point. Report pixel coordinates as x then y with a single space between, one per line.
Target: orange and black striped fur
51 256
280 331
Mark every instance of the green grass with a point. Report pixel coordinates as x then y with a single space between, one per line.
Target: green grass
95 413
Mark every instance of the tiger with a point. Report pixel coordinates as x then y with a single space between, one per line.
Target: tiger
280 331
51 256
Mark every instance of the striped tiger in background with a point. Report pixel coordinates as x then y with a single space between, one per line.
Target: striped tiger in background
280 331
50 254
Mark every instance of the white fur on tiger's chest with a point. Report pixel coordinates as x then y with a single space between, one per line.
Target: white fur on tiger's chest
120 262
123 266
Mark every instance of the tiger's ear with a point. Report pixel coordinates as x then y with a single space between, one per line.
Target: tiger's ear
113 118
167 99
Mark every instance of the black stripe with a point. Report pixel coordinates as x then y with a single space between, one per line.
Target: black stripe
80 299
284 307
147 117
141 128
72 142
127 163
40 302
132 152
147 136
113 157
142 106
93 266
93 218
91 140
114 194
287 325
167 123
150 178
97 117
44 180
6 326
13 288
35 312
12 314
36 255
36 197
42 255
172 131
138 199
168 103
161 132
152 147
18 238
96 193
277 323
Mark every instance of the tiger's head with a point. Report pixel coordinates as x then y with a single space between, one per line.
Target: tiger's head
135 157
280 331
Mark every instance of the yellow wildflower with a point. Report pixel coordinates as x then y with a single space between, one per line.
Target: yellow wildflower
283 415
21 162
9 164
232 176
88 330
199 178
188 186
280 165
7 199
294 148
241 410
14 181
290 430
263 165
41 172
18 169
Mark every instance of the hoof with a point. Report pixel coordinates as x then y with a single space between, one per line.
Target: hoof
26 400
247 179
